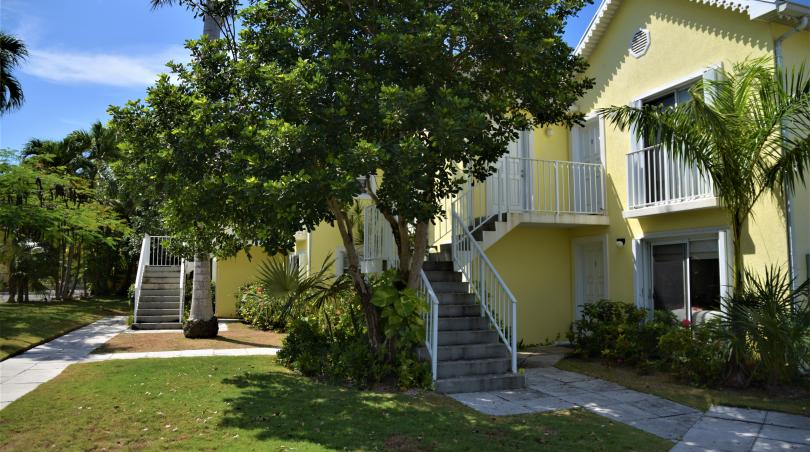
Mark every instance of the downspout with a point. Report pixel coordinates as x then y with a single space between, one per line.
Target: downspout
786 192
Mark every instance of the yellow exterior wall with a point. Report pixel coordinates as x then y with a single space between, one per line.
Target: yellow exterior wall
233 273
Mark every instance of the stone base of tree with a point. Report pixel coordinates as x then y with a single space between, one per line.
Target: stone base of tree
201 329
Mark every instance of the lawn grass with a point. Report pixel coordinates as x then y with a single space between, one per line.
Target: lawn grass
25 325
252 403
795 400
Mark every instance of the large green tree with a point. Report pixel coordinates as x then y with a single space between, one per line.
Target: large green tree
315 96
749 131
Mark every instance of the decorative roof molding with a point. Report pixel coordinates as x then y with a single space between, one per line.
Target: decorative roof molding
756 10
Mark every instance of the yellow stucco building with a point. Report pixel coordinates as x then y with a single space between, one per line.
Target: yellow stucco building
574 216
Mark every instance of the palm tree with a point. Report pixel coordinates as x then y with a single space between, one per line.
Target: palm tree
201 321
12 52
749 131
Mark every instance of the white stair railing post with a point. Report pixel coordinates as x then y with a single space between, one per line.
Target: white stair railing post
182 289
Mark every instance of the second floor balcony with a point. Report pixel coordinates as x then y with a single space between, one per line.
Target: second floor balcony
659 182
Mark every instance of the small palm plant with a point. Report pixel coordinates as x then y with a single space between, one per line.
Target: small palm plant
289 283
767 328
749 131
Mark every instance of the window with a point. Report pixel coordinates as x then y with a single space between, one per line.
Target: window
686 277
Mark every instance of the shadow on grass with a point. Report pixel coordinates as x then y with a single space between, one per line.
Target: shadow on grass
279 405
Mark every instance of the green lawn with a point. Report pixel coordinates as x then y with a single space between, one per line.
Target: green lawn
790 400
251 403
26 325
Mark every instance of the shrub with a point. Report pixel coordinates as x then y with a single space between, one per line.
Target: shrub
767 327
618 332
696 354
332 342
265 311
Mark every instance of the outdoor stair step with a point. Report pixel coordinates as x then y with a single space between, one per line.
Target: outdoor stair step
440 257
171 285
174 299
160 292
475 322
160 279
459 310
145 312
162 269
468 337
449 287
174 306
158 326
435 276
474 351
466 368
455 298
481 383
437 266
157 318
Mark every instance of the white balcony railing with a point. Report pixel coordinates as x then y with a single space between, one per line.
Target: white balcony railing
546 187
656 177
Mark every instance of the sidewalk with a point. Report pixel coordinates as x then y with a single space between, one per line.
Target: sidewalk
21 374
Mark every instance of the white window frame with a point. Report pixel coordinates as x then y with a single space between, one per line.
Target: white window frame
642 260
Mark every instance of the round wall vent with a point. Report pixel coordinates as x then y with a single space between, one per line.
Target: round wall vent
640 43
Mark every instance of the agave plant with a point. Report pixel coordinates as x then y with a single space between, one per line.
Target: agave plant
767 327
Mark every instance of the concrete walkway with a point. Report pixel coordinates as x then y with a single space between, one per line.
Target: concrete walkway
720 429
21 374
552 389
738 429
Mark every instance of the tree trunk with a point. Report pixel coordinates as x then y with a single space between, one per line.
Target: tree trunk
12 280
364 290
418 255
201 321
78 271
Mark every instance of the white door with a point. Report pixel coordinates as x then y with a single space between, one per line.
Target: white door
587 180
589 269
507 189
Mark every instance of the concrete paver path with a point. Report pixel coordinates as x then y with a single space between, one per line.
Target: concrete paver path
21 374
719 429
551 389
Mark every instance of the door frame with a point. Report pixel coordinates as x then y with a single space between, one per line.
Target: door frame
577 272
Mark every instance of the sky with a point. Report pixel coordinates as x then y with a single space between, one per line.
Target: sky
88 54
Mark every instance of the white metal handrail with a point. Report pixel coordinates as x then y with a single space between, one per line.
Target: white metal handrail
143 260
496 300
182 288
655 176
159 255
379 247
431 318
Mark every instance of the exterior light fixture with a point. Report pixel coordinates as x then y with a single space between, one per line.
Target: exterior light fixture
620 243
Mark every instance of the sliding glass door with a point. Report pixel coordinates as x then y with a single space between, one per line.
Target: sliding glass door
686 277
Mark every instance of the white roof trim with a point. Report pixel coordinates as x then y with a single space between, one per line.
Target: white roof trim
607 9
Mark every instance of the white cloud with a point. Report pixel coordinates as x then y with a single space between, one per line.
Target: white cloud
100 68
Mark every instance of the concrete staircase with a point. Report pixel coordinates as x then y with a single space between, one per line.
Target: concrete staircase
471 357
159 305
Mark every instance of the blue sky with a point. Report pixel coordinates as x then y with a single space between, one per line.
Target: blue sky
88 54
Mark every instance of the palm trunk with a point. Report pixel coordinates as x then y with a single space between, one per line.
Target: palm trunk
737 222
201 321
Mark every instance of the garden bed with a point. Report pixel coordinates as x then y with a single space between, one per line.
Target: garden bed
238 335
